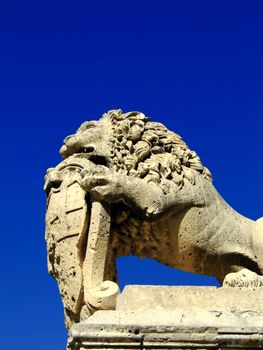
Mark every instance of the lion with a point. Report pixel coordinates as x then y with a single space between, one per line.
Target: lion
164 205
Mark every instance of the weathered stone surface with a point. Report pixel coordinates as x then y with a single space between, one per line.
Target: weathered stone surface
141 298
77 235
192 318
131 186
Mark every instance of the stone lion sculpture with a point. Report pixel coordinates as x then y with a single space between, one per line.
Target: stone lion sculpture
162 202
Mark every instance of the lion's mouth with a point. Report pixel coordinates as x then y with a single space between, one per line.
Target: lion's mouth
99 160
90 152
93 156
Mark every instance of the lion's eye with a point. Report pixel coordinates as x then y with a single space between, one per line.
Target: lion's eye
89 149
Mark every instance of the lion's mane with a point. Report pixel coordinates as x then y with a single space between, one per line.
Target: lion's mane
139 146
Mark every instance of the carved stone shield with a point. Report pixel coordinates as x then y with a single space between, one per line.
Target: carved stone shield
76 257
66 235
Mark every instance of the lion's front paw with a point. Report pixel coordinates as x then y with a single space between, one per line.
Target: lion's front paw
102 183
244 279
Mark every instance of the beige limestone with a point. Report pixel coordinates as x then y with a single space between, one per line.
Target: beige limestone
131 186
141 298
77 259
175 318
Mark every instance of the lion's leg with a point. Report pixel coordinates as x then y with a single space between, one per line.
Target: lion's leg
148 199
243 278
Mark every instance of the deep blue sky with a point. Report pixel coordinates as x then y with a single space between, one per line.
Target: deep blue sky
197 66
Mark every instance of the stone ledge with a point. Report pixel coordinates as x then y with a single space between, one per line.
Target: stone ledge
207 298
177 321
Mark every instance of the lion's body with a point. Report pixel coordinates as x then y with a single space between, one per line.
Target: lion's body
209 239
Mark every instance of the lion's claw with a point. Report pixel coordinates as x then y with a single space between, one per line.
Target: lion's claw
102 183
243 279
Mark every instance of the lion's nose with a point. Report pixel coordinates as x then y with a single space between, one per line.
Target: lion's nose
63 151
70 141
69 147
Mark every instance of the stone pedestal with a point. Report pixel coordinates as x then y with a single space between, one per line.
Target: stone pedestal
158 317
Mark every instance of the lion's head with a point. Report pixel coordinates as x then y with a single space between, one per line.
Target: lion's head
130 143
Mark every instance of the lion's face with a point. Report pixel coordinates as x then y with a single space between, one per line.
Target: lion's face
92 138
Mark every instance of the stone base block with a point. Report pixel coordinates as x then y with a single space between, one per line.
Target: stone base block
158 317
